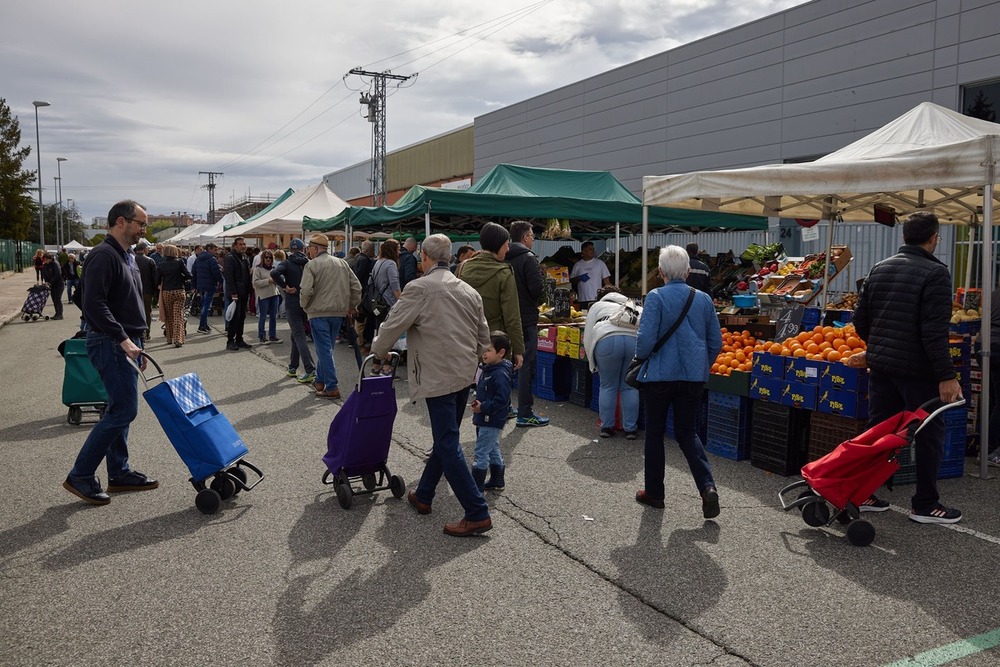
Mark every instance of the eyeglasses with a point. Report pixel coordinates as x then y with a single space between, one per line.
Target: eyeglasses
141 223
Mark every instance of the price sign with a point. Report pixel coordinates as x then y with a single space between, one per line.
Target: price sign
788 321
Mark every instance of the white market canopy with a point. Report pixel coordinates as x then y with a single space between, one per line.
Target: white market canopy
214 232
74 245
185 236
929 158
316 201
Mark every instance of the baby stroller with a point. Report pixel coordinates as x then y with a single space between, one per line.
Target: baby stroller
359 438
848 475
83 390
38 296
203 437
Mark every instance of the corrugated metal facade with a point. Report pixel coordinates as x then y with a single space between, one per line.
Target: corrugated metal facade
449 157
803 82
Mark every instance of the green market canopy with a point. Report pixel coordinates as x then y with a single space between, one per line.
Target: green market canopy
593 202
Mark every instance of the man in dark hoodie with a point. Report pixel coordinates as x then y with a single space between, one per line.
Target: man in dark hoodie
287 276
408 263
207 276
528 277
488 274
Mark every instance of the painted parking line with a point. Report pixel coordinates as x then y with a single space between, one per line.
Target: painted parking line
951 652
986 537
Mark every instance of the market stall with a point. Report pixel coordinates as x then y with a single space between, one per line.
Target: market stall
931 158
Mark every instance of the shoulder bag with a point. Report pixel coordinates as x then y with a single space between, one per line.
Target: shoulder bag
635 366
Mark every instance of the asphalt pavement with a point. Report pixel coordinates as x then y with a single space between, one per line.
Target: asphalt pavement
574 572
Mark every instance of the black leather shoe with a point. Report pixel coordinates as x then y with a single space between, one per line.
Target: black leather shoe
133 480
232 347
243 345
88 493
710 502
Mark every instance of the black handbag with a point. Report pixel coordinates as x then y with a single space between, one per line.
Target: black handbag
635 366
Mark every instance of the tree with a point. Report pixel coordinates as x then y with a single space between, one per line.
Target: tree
981 108
16 206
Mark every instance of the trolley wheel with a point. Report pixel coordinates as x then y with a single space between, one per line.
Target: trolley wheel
345 496
240 474
46 318
369 481
844 517
397 486
860 533
75 415
224 486
25 317
34 317
816 513
208 501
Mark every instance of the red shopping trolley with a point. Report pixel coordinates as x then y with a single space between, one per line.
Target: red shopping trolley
848 475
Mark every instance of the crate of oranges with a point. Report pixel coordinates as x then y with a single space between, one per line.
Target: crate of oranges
831 344
730 373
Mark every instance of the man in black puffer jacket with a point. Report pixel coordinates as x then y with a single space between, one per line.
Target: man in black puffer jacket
902 314
528 277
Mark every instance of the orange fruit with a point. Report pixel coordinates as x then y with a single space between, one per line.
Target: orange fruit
854 342
775 348
833 355
837 342
799 352
812 348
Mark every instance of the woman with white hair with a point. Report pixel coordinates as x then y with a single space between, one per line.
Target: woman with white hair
675 375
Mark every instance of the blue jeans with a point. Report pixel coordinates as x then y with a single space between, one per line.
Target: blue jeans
447 458
267 309
206 306
487 447
324 331
71 285
612 355
109 437
686 398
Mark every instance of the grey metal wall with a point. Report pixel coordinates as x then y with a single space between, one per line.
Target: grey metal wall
800 83
351 182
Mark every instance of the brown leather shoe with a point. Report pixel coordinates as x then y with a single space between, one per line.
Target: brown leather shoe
422 508
319 386
332 394
465 528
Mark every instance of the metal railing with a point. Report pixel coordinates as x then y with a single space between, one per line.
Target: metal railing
16 255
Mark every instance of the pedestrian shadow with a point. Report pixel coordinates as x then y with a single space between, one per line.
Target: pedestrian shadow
124 539
612 460
928 579
40 429
53 521
318 615
667 586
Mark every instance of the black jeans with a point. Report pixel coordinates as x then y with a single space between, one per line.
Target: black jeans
685 398
525 399
56 294
994 406
889 395
234 331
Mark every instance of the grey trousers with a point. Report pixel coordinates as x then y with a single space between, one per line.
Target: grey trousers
296 318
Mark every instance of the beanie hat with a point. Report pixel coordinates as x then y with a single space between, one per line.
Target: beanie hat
492 237
296 244
319 239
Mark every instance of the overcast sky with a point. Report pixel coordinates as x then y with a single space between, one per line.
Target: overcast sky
145 95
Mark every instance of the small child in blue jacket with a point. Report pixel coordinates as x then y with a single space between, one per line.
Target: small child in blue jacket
490 410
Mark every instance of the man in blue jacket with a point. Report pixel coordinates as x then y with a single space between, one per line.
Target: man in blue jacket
207 277
112 306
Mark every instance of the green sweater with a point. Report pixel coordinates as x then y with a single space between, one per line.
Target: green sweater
494 280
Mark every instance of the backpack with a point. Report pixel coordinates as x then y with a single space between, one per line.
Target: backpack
373 303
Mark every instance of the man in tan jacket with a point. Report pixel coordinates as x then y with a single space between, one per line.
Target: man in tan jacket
328 293
446 332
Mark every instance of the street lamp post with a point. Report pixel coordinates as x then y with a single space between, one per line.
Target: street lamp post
38 149
69 219
60 237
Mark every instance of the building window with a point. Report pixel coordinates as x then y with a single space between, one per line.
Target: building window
982 100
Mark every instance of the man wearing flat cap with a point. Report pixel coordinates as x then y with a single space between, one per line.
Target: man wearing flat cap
328 293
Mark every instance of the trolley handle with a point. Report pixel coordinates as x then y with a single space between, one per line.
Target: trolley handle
147 379
942 407
393 362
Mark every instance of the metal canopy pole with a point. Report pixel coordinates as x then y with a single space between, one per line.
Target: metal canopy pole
618 251
984 336
645 250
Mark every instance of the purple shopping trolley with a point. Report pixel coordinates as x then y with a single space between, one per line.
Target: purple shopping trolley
38 296
359 438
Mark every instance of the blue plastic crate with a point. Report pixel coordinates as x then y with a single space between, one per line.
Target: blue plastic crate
581 383
953 458
595 393
553 377
728 428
